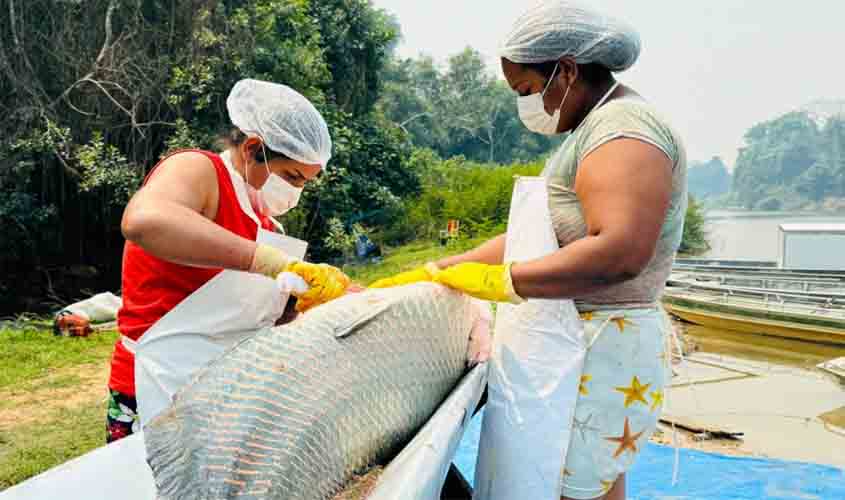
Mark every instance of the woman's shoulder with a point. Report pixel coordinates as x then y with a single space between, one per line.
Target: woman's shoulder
188 164
629 116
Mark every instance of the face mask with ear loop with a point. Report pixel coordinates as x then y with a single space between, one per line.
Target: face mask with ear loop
532 109
278 195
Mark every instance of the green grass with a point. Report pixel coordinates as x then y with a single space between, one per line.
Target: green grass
31 353
408 257
28 450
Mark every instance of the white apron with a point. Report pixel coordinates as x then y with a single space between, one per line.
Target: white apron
538 358
228 308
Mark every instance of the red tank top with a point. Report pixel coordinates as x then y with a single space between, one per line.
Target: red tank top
152 286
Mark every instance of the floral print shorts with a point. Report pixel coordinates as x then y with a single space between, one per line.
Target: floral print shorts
121 417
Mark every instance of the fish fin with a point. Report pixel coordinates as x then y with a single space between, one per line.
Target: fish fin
378 303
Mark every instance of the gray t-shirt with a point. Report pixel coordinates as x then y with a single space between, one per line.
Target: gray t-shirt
630 117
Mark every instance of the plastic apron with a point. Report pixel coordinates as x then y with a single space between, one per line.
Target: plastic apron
538 358
224 311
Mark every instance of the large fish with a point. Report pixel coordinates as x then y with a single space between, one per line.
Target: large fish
296 411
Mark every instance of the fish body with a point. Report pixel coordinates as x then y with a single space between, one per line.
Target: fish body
296 411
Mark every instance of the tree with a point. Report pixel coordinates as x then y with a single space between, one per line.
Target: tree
695 235
95 92
459 110
709 179
790 162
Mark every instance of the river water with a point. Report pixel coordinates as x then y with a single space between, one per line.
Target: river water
752 236
787 395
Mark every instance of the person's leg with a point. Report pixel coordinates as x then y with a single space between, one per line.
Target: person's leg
121 416
621 395
618 490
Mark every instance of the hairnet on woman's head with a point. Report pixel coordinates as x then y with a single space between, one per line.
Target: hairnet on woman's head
283 118
553 29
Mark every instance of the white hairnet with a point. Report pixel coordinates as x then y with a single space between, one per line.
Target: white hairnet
283 118
553 29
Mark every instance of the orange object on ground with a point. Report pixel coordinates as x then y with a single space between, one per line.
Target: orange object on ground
68 324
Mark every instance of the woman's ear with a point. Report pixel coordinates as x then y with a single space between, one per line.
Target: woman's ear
250 148
568 72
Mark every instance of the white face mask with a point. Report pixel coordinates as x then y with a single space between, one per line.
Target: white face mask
278 195
532 110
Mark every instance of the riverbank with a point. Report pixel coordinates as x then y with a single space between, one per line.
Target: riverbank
767 388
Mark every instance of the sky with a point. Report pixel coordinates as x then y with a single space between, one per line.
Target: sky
713 68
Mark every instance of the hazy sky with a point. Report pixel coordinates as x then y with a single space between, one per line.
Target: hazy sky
714 68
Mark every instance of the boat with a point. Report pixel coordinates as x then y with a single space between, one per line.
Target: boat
821 287
760 271
801 316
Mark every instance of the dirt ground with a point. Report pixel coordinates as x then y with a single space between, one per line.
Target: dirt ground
23 407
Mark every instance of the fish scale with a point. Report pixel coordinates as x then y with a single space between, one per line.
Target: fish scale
294 412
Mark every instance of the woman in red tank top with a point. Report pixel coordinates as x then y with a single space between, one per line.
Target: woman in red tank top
186 224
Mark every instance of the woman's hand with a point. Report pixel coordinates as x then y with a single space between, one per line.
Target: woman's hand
425 273
326 283
482 281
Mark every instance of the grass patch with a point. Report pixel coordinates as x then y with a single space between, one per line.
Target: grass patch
408 257
28 450
31 353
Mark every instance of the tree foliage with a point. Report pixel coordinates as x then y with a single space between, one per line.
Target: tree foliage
95 91
709 179
791 162
694 240
459 110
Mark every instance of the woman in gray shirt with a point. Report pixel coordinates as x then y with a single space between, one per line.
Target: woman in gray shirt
617 198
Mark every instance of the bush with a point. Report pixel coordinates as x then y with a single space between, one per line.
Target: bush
477 195
695 235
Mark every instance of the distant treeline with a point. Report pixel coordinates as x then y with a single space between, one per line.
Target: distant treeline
789 163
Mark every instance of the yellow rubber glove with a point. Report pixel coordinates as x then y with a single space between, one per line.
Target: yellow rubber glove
482 281
327 283
425 273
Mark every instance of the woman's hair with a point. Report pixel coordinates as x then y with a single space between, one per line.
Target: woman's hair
234 138
594 73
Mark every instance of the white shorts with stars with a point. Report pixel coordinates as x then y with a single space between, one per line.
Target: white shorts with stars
620 400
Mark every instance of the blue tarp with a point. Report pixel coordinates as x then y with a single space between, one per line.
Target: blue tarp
705 476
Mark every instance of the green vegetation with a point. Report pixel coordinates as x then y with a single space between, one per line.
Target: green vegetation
695 235
30 449
460 109
28 354
409 257
792 162
96 92
51 397
709 179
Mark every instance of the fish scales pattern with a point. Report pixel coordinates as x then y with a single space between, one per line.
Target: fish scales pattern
295 412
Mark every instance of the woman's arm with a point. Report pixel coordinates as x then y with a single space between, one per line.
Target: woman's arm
490 252
625 188
171 217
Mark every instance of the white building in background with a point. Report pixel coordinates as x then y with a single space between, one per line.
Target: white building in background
812 246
